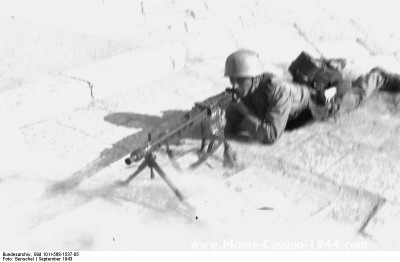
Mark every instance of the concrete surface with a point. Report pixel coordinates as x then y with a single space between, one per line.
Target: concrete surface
82 85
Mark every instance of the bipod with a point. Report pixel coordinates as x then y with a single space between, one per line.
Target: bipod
150 162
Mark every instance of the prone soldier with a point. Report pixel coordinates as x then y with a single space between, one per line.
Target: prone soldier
266 103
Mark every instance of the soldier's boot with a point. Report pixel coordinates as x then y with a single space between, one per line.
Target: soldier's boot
391 81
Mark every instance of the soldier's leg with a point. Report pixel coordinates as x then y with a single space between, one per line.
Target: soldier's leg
358 91
365 85
390 81
352 95
369 82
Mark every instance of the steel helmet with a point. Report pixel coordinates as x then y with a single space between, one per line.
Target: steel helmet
243 63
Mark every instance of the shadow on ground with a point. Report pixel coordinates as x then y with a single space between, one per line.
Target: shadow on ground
152 197
301 121
147 123
383 102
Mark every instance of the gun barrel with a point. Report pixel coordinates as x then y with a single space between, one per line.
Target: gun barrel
128 161
136 155
140 153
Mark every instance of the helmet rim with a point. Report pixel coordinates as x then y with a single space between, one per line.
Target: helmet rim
243 63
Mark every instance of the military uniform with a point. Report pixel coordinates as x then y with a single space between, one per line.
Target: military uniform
352 94
276 102
266 104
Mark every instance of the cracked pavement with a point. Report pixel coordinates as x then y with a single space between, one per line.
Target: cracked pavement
81 85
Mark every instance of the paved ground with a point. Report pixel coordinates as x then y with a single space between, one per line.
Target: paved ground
82 85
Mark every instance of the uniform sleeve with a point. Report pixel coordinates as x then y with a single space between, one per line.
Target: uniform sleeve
275 118
348 98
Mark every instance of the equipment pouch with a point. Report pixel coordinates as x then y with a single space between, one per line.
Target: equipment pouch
304 68
315 73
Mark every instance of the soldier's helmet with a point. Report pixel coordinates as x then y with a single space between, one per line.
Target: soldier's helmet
243 63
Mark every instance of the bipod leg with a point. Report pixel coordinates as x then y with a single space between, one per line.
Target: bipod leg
203 138
166 180
151 173
173 159
212 147
138 170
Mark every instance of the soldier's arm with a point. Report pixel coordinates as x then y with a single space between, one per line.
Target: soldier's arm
275 118
270 126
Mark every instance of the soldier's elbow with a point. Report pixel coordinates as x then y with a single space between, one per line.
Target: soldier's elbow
268 139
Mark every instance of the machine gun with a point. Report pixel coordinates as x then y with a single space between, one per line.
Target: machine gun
210 115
